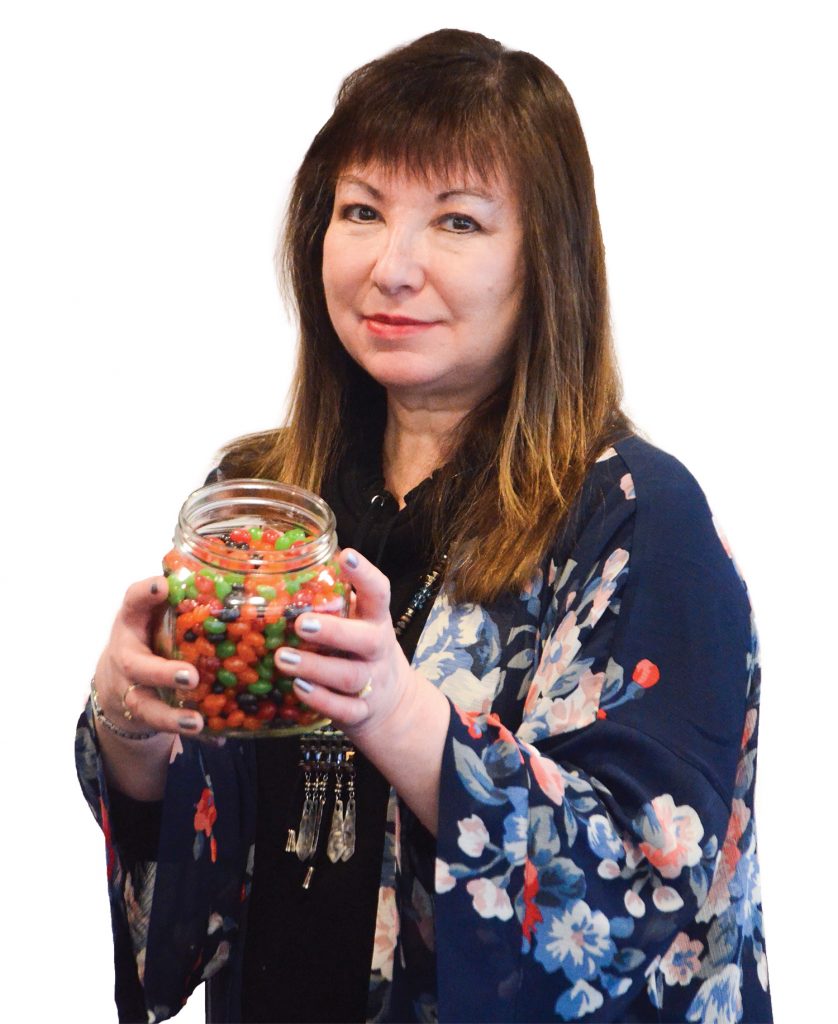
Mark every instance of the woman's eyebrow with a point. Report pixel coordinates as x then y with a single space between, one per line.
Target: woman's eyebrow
352 179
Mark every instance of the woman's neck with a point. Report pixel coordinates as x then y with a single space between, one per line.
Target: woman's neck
416 442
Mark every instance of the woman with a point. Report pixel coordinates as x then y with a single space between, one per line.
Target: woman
556 756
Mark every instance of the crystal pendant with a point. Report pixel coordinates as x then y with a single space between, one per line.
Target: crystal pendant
334 849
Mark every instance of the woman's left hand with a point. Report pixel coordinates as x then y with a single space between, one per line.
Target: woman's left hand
358 674
359 677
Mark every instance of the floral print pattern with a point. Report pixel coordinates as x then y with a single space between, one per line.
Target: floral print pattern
596 853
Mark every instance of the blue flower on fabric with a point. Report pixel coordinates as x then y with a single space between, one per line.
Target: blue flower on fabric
575 939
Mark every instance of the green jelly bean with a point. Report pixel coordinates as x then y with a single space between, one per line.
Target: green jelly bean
292 641
267 660
177 591
265 671
222 587
272 642
283 542
305 577
285 684
269 593
275 628
292 586
260 688
233 577
226 649
212 625
192 591
226 678
339 588
297 533
209 573
255 532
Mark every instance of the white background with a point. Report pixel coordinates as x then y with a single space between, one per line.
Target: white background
148 149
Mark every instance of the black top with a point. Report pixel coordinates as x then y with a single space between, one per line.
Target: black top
308 951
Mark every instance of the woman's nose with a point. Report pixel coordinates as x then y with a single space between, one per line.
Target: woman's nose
399 264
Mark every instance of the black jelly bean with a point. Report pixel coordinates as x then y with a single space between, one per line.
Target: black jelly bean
217 638
217 688
229 614
190 635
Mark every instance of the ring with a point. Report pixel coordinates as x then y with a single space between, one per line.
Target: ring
126 711
367 690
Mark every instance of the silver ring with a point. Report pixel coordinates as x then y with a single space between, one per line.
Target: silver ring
367 689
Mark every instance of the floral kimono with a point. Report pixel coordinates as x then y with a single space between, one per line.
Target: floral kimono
596 850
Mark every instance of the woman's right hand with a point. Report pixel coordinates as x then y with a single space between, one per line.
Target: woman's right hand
129 672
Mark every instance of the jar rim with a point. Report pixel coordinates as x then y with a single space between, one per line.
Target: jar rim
267 502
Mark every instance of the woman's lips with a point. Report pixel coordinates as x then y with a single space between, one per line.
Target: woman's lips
385 326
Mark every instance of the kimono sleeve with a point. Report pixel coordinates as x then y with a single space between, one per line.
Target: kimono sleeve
579 830
177 920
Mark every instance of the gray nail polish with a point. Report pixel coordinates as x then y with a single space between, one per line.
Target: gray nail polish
301 684
308 625
289 658
352 560
154 588
193 724
182 677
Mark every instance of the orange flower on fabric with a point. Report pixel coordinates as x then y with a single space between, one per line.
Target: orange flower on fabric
205 813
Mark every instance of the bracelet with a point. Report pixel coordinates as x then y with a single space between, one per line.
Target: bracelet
108 724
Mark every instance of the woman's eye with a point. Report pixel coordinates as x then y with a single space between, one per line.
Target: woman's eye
359 213
460 223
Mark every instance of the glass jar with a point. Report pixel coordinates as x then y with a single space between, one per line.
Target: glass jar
249 556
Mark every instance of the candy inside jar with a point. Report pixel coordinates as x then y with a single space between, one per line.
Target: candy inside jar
249 556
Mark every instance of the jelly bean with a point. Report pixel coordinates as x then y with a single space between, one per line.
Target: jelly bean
295 534
260 688
269 593
226 649
255 533
177 591
234 664
283 542
275 628
235 719
240 536
213 625
216 724
266 712
247 654
273 642
252 723
204 585
248 676
265 671
227 678
269 535
229 614
212 704
222 588
238 629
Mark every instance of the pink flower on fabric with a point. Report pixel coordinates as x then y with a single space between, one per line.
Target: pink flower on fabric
627 486
579 707
671 835
386 932
548 776
489 900
444 880
614 564
473 835
682 960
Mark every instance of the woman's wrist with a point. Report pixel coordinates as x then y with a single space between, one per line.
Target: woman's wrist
116 728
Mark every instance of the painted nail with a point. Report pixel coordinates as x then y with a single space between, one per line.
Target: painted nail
308 625
182 677
301 684
193 724
154 588
351 559
289 658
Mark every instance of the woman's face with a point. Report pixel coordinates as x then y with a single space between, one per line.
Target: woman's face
423 282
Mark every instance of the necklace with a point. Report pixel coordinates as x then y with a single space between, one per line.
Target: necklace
328 755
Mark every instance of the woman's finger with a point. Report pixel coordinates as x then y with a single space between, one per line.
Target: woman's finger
345 711
349 636
371 586
346 675
148 709
140 601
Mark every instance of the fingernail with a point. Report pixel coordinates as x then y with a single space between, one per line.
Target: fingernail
193 724
301 684
154 588
289 658
308 625
182 677
351 559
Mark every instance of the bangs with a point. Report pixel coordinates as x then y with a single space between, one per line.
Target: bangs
433 125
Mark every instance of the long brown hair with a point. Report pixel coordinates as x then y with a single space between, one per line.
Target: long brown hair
448 101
